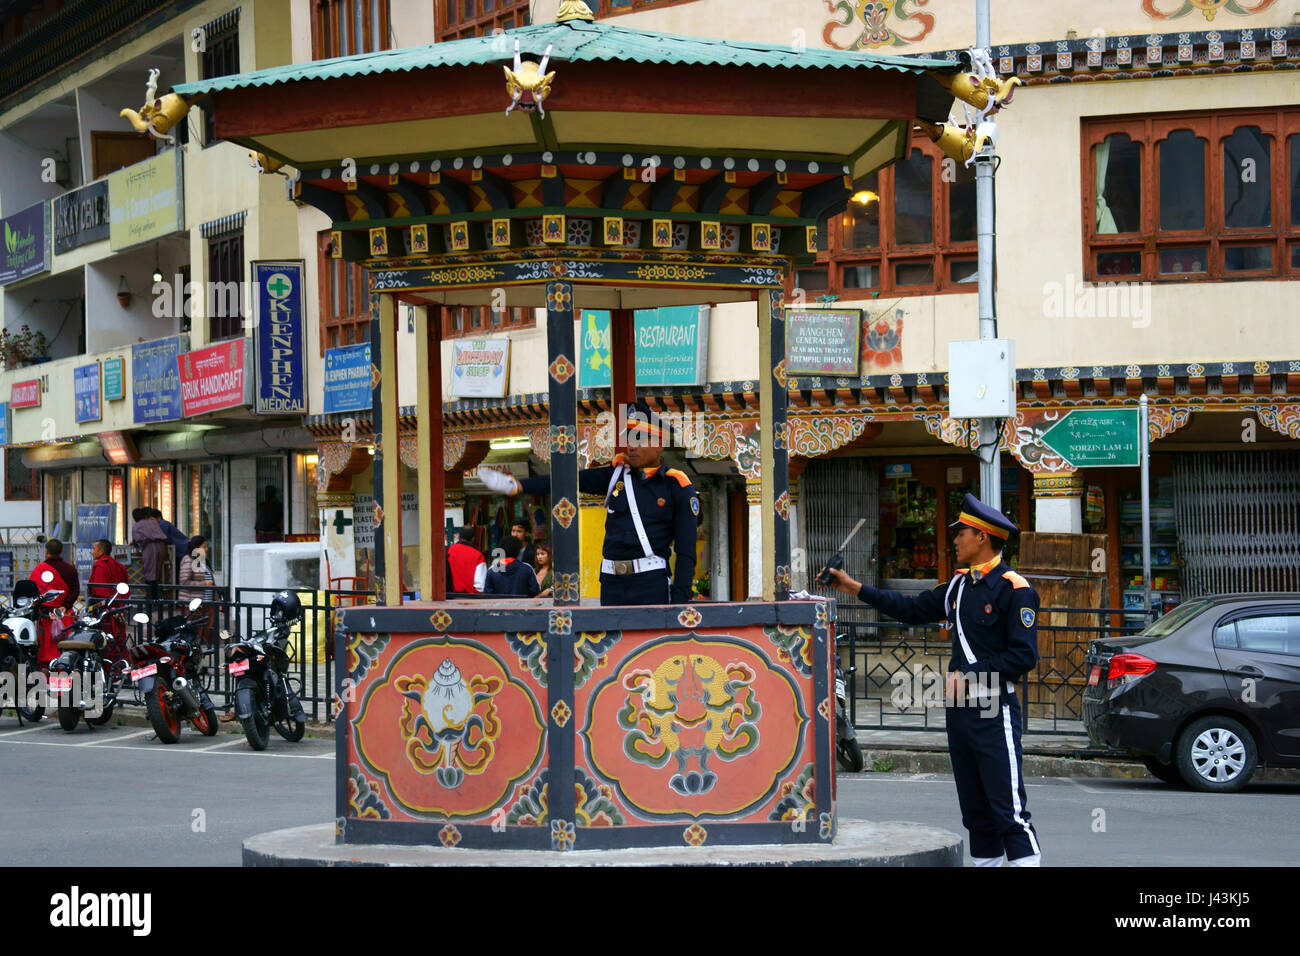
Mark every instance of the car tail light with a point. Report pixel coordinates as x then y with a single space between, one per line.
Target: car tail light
1128 666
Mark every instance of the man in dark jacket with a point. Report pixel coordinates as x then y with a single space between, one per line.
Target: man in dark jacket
178 538
147 535
515 578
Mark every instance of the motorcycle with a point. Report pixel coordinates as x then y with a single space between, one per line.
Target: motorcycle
168 675
81 662
20 642
263 695
847 748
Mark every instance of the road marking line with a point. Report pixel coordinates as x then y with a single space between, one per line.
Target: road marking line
99 740
229 743
182 750
29 730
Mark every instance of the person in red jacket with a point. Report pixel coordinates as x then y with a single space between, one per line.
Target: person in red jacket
468 566
105 575
47 578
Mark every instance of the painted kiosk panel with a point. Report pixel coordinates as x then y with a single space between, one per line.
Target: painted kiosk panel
632 169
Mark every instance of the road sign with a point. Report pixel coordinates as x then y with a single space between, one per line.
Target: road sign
1096 437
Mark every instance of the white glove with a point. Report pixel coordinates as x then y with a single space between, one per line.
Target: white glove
498 482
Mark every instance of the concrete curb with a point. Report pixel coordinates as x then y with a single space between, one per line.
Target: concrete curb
857 843
888 760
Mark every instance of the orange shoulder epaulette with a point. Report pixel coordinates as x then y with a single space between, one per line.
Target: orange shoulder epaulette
681 476
1017 582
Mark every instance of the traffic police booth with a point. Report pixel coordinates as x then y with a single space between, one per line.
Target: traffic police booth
633 170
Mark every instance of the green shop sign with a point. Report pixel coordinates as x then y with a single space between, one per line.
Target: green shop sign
672 346
1097 437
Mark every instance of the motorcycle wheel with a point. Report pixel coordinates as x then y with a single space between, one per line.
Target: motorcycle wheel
69 717
291 730
161 717
104 717
256 728
205 721
31 714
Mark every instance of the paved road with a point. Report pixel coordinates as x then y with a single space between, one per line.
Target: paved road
1147 823
116 796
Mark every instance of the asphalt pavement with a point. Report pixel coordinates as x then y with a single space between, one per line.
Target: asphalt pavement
115 796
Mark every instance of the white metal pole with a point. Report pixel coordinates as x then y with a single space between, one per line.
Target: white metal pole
989 428
1145 445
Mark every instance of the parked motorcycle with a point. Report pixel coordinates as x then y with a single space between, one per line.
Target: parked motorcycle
263 695
81 669
847 748
169 675
20 642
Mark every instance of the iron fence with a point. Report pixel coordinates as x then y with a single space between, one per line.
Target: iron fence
898 684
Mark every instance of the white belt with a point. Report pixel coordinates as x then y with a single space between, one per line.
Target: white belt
632 565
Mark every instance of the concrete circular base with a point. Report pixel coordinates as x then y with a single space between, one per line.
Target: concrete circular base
857 843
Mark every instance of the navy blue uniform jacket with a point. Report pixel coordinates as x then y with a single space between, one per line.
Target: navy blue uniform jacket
998 617
670 512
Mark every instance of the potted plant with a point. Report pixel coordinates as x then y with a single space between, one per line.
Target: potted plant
23 347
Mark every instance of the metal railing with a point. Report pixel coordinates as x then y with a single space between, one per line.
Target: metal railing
901 667
236 618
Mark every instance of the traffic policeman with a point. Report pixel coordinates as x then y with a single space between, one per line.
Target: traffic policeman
650 512
992 614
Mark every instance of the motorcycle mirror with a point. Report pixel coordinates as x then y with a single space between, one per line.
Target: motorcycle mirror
196 604
140 618
123 588
47 577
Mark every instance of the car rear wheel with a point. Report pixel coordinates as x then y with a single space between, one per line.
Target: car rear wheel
1216 755
1167 772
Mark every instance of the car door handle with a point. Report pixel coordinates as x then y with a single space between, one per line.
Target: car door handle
1247 671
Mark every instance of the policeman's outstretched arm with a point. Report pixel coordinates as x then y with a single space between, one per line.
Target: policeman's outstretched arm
926 608
593 481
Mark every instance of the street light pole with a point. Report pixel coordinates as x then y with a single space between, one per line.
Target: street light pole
989 428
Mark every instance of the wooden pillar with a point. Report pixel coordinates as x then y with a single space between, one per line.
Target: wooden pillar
622 350
387 476
773 403
432 478
563 388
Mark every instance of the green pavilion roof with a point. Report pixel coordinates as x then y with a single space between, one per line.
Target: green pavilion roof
572 42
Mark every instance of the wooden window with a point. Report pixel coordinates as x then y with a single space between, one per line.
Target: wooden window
481 320
608 7
111 150
347 27
344 299
457 19
226 280
220 58
908 230
21 482
1192 196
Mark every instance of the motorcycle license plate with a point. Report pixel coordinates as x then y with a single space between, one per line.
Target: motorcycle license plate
839 688
147 671
60 683
1094 675
237 667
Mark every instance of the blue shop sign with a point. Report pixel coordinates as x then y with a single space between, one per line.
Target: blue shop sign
156 380
280 338
347 378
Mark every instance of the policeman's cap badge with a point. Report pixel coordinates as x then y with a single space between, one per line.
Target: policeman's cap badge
1027 616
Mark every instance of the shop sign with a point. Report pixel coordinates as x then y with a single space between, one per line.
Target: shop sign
363 521
1096 437
118 447
80 217
85 393
25 394
822 341
4 423
672 346
279 339
902 470
347 378
93 523
480 368
113 380
6 571
146 201
337 538
212 378
26 249
156 380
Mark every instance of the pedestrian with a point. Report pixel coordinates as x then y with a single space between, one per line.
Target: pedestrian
48 578
147 535
270 518
992 614
178 539
54 558
105 575
468 566
542 569
527 553
515 578
196 581
650 512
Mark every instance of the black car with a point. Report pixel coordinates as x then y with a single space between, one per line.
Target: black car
1206 694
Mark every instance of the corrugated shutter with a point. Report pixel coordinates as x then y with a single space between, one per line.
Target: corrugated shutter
1238 517
836 493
